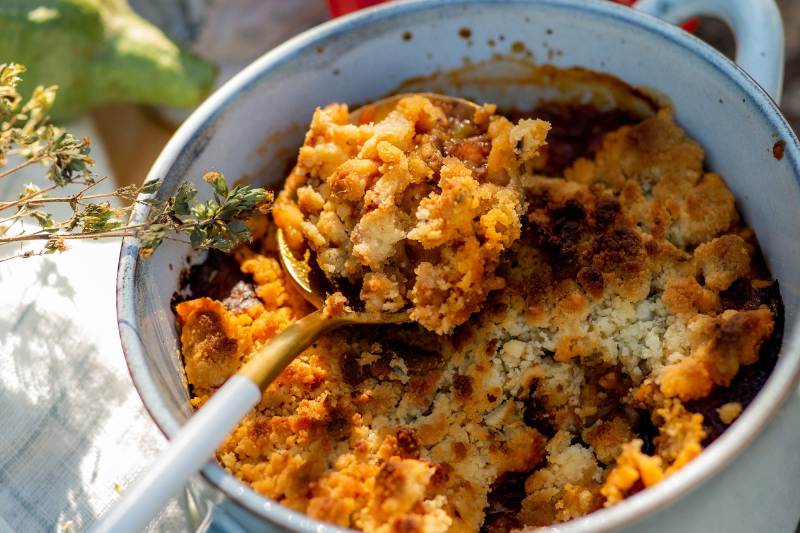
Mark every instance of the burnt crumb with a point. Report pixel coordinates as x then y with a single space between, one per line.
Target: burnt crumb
558 239
351 369
416 359
408 442
440 476
505 502
539 233
462 386
536 201
562 256
570 231
647 431
592 280
536 286
242 297
631 266
462 336
338 428
498 309
459 450
565 262
381 368
491 347
606 211
621 247
536 416
741 296
622 240
572 209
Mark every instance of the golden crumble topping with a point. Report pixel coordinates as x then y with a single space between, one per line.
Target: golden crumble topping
415 208
603 330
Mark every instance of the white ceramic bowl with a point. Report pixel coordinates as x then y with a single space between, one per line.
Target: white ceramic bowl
749 479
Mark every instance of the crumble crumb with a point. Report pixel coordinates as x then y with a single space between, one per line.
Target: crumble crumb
334 305
729 412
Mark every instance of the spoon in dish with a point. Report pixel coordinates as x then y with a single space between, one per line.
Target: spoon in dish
205 431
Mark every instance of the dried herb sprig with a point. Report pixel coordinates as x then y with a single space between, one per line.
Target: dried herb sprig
25 131
218 223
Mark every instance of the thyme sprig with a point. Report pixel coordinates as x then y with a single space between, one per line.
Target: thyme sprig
25 132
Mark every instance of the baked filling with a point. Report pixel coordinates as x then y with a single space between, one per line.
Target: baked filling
564 358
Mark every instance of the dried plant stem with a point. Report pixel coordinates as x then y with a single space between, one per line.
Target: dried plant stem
217 223
68 236
29 198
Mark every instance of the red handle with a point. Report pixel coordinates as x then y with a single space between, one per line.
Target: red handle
343 7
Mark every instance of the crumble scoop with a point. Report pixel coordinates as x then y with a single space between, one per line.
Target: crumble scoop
416 208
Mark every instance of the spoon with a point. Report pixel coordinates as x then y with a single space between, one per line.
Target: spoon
197 440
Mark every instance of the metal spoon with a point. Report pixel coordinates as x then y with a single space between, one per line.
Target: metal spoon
197 440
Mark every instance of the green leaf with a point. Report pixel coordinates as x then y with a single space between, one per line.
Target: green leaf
150 186
206 211
45 220
197 237
238 231
70 157
95 218
150 240
180 203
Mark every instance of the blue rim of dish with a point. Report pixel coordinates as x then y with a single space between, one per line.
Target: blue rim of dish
713 458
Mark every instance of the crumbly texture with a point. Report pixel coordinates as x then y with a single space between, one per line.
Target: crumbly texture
613 318
729 412
416 208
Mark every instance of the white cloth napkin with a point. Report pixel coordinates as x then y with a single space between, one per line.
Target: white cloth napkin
73 429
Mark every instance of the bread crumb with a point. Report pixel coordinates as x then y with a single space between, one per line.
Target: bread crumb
334 305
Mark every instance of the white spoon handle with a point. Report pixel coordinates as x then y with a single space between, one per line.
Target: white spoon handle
187 452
